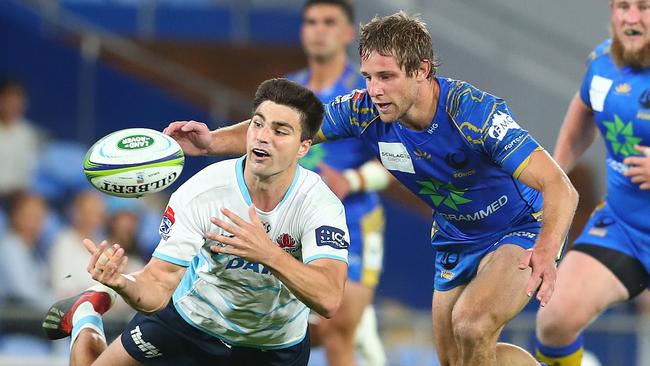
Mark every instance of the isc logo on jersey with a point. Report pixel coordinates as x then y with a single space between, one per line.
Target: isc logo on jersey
331 236
501 123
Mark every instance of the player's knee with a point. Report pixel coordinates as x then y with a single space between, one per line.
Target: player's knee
558 324
473 327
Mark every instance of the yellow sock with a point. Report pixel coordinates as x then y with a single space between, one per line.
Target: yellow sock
571 359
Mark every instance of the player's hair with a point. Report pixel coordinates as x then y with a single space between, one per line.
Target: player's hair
402 36
8 83
345 5
296 96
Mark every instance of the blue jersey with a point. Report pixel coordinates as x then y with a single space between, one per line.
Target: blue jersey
620 101
464 165
343 154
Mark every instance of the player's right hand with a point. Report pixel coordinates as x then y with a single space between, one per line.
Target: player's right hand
193 137
104 267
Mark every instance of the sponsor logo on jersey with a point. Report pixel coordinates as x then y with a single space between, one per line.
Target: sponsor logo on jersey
617 166
621 136
600 226
450 260
432 127
480 214
598 90
446 275
644 99
623 89
287 243
521 234
240 263
443 193
501 123
514 142
394 156
331 236
149 350
420 154
166 223
457 160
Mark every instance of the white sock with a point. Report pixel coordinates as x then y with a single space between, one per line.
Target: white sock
370 351
85 316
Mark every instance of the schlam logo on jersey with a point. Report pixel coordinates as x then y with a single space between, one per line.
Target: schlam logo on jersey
621 137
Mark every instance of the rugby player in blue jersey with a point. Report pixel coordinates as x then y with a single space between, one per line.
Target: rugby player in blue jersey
610 261
354 175
461 150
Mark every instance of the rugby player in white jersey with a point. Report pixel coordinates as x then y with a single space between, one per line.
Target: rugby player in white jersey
247 246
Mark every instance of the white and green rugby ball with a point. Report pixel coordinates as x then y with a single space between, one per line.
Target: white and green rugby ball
133 162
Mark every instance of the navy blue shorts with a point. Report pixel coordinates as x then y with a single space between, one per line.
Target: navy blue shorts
165 338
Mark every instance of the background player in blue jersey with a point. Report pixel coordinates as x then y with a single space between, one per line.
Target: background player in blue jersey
461 151
610 260
353 174
246 245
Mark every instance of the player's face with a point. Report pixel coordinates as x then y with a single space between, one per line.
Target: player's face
631 24
391 90
325 32
273 140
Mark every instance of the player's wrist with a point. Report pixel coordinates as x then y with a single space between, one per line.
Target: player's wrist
370 177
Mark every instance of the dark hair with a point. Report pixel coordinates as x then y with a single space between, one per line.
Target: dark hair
402 36
8 83
345 5
296 96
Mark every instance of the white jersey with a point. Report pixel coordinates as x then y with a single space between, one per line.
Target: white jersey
237 301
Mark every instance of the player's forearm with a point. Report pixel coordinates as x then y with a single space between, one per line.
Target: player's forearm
229 140
576 135
317 287
560 201
144 293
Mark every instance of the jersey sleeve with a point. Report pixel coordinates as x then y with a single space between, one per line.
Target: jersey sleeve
595 87
325 233
347 116
507 144
181 235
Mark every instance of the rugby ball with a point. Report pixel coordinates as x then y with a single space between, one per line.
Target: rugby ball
133 162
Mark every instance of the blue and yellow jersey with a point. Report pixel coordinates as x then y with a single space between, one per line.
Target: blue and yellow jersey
464 165
343 154
620 101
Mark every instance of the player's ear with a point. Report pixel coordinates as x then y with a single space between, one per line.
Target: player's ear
304 148
424 70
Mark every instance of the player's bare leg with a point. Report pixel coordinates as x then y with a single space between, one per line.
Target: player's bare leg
79 317
584 289
509 354
487 303
442 305
337 334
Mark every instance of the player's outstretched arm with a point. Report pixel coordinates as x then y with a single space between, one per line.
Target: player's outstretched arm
147 290
560 200
576 135
196 138
319 284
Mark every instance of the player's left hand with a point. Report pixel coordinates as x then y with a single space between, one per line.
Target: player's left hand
639 170
334 180
249 241
542 261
